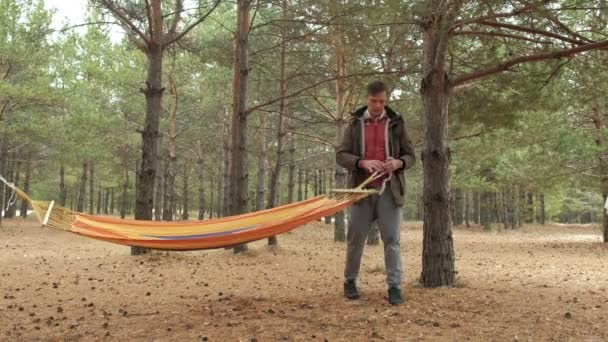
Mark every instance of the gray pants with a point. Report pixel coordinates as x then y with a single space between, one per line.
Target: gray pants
384 209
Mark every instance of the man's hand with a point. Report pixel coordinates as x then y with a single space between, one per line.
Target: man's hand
391 164
371 165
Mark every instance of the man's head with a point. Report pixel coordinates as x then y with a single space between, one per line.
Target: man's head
377 92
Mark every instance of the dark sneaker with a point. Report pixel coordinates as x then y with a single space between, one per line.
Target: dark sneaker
350 290
394 296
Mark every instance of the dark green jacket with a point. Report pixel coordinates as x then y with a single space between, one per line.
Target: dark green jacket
400 146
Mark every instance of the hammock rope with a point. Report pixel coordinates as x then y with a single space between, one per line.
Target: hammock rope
195 235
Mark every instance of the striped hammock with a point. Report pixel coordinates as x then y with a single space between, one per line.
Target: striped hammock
194 235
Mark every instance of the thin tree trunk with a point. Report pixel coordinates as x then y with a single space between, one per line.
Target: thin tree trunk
292 170
170 171
542 208
80 207
276 174
125 190
158 181
201 182
106 202
467 208
300 190
306 181
530 208
99 198
62 188
212 196
26 184
185 203
91 187
261 186
239 175
522 207
16 179
226 200
112 201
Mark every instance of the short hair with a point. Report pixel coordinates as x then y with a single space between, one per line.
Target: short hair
377 87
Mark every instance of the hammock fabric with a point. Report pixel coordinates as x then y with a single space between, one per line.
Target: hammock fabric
195 235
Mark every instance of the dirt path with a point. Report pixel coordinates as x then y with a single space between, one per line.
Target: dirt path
537 284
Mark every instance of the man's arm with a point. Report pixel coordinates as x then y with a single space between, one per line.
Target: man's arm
408 154
344 154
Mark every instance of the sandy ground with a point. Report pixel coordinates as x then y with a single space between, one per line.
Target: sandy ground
537 284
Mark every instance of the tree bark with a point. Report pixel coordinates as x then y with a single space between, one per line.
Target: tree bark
438 245
458 210
530 208
170 171
276 173
91 187
26 184
292 170
226 201
125 190
300 190
201 182
112 201
239 175
80 207
185 203
541 199
261 186
15 175
63 191
467 208
158 181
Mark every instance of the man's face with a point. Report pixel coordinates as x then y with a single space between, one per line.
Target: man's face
376 103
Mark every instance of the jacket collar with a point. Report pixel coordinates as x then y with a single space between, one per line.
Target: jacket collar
359 113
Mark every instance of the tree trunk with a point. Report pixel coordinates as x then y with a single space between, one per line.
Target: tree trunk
300 190
522 207
276 173
438 245
239 175
306 181
212 196
542 208
106 202
201 183
458 210
3 164
26 184
158 181
98 206
125 190
91 187
602 156
292 170
63 191
467 208
144 203
170 171
112 201
185 203
16 179
168 196
261 186
83 187
530 208
226 200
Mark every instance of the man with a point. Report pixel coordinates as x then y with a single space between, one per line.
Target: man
376 141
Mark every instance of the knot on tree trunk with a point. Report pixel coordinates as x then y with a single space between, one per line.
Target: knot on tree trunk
150 91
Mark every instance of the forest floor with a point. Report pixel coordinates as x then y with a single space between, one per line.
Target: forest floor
535 284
